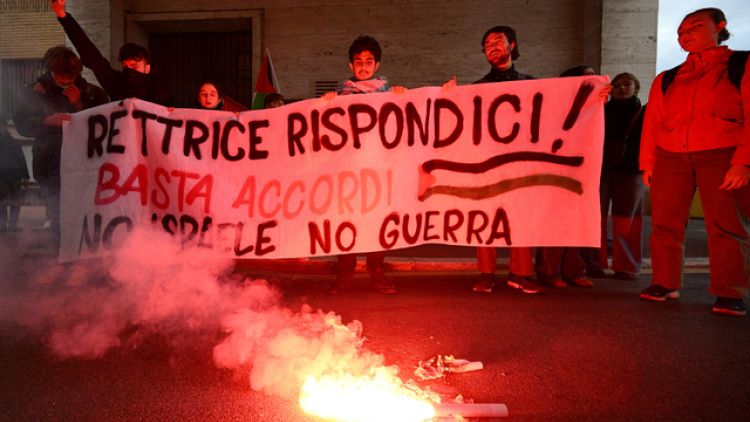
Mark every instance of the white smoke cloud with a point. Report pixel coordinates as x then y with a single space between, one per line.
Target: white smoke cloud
151 283
283 348
154 286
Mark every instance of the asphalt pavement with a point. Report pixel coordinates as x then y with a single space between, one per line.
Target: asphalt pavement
568 354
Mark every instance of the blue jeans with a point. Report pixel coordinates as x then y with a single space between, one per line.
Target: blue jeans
727 217
521 260
625 193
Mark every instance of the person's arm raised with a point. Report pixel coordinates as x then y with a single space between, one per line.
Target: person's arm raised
58 6
91 57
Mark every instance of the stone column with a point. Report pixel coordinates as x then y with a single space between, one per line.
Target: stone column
628 39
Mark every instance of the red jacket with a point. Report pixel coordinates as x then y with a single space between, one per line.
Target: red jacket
701 110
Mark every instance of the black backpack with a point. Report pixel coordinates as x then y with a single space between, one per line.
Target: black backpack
736 68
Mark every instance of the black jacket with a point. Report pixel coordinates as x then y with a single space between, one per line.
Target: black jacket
36 103
623 121
119 84
497 75
12 165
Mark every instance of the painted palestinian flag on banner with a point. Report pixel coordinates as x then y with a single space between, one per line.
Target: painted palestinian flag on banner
267 82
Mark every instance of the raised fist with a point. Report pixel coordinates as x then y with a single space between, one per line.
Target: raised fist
58 6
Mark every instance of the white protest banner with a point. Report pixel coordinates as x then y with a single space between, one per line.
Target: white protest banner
513 163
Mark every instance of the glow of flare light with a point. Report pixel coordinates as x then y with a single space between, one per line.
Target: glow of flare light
375 398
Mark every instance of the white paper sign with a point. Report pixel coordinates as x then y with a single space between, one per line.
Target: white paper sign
512 163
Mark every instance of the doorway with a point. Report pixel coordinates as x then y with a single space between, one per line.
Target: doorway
187 59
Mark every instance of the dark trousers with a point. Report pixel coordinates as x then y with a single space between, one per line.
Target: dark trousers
10 210
558 262
726 214
624 192
521 261
347 263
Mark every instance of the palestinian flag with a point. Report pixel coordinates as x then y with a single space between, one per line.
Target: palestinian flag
267 82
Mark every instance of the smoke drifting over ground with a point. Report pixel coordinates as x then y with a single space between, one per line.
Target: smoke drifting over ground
152 285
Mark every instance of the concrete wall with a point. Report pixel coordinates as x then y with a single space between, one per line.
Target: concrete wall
27 29
629 29
94 18
591 36
424 42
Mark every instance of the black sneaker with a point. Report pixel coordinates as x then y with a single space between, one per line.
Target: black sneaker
659 293
485 284
729 306
343 283
381 284
579 282
554 282
625 276
524 284
596 273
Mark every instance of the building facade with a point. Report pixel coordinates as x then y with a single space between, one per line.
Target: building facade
424 42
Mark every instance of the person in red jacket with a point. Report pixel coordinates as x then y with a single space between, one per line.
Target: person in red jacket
696 134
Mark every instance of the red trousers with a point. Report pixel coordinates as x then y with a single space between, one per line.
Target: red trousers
521 261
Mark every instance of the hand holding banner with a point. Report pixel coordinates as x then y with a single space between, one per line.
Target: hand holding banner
514 163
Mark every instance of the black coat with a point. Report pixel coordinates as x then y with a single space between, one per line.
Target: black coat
623 121
12 165
497 75
119 84
35 104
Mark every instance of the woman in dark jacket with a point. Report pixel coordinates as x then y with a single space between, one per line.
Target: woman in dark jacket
621 185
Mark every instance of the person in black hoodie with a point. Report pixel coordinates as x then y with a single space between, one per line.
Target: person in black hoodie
621 184
135 80
41 109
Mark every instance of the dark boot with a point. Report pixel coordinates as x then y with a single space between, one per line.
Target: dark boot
382 284
343 283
